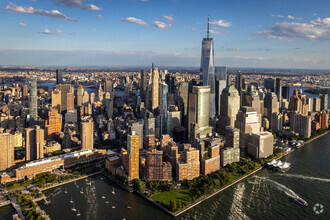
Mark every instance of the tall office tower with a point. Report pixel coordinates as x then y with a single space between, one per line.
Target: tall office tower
33 102
247 121
220 84
56 99
34 143
87 133
232 137
131 160
100 93
53 123
155 168
59 77
80 93
302 124
109 107
173 121
108 86
207 62
154 88
163 106
316 104
86 99
25 94
261 145
295 103
143 84
230 104
170 81
67 95
137 128
324 102
239 82
271 104
286 92
276 121
252 99
149 130
278 91
183 102
7 146
198 109
207 69
269 84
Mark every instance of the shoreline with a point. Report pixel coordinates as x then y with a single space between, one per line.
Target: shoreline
175 214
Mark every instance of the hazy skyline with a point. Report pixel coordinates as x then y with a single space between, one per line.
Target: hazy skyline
256 33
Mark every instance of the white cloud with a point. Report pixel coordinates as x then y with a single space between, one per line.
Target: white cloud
161 25
169 18
100 16
134 21
220 23
318 29
31 10
293 18
278 16
47 31
22 24
91 7
214 32
144 0
69 3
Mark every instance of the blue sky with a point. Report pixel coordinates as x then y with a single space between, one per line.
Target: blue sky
254 33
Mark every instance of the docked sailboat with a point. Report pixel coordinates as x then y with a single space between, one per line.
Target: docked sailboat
113 190
278 165
73 208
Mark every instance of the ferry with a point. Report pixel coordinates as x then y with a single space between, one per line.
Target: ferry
300 201
278 165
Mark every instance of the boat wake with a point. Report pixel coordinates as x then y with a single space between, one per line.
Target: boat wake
236 209
307 177
289 192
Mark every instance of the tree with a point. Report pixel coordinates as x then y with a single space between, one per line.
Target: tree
173 207
139 185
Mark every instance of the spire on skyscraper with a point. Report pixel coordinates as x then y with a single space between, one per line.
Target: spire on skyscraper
208 26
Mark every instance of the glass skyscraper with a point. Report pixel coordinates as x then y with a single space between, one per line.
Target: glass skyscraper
207 69
33 105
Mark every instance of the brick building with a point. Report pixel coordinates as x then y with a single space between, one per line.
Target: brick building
155 168
188 167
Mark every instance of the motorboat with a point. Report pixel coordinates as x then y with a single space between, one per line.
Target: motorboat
300 201
113 191
71 201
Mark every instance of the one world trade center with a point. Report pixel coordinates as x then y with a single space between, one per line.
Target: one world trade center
207 75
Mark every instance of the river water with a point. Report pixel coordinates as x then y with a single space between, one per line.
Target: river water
265 195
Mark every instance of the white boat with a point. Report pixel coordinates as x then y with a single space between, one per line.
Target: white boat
106 202
129 207
78 214
82 191
103 197
101 178
113 207
113 191
73 208
71 201
66 190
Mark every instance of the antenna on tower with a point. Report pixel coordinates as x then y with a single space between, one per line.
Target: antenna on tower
208 26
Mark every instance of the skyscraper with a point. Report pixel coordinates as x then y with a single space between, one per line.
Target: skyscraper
286 92
155 88
33 105
7 145
143 84
324 102
131 162
34 143
67 97
199 107
220 84
183 102
163 107
239 82
59 77
207 75
269 84
278 91
137 129
87 133
108 86
80 93
25 94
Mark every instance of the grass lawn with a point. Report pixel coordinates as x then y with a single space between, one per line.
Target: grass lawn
165 197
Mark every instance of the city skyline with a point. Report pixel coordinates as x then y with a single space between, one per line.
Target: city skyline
253 34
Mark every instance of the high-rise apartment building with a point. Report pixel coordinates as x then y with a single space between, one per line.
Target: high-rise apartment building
143 84
80 93
155 168
7 146
154 88
56 99
131 157
67 97
34 143
324 102
25 94
137 129
87 133
163 106
278 91
232 137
